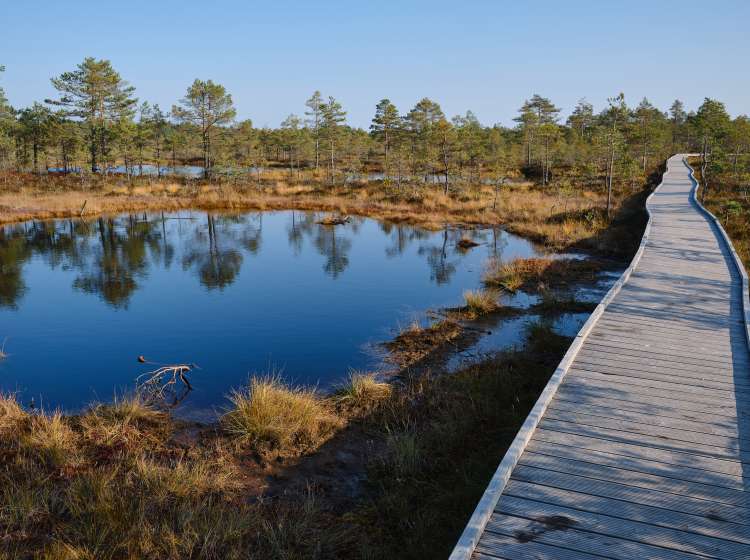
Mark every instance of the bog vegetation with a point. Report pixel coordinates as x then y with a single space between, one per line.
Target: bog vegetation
96 127
126 480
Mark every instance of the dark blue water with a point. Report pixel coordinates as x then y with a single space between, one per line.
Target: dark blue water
236 294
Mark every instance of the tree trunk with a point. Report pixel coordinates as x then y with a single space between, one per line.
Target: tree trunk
610 172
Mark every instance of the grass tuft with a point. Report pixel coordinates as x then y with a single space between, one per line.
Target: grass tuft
363 392
480 302
271 414
11 414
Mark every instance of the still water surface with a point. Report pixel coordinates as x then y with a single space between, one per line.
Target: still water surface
235 294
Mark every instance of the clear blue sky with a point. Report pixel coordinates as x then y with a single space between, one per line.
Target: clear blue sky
484 56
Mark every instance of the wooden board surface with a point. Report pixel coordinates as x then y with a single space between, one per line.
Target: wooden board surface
643 450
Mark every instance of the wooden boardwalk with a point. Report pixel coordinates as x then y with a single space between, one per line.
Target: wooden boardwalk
639 448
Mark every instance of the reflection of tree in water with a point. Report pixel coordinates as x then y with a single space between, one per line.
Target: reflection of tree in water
166 250
119 259
331 245
497 244
441 268
295 231
219 266
14 252
301 225
401 237
252 232
335 248
108 267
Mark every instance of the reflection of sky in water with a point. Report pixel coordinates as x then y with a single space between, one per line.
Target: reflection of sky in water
505 333
235 294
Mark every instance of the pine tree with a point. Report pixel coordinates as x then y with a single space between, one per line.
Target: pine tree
332 116
385 125
314 121
34 129
96 94
206 105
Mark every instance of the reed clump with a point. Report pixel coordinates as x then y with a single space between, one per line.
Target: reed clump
362 392
480 302
271 414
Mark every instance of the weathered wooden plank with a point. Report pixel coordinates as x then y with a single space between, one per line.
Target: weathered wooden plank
646 442
731 446
510 547
626 363
725 429
731 519
635 322
587 391
680 398
579 398
722 382
690 391
628 448
622 356
548 532
644 513
598 471
688 449
663 343
661 353
623 528
546 446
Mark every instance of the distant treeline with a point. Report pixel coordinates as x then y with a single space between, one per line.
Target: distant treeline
96 122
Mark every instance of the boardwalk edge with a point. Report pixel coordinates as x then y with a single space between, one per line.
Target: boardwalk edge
487 504
735 257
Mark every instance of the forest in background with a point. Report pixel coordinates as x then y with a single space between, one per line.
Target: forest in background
96 123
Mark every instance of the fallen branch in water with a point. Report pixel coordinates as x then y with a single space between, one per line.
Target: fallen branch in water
162 385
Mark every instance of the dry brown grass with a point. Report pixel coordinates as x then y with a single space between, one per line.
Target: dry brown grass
82 488
270 413
540 214
729 200
362 392
480 302
415 342
520 272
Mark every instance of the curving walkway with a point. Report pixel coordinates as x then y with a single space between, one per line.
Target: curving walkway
639 448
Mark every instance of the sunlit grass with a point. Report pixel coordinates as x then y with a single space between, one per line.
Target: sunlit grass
271 413
480 302
362 391
520 272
